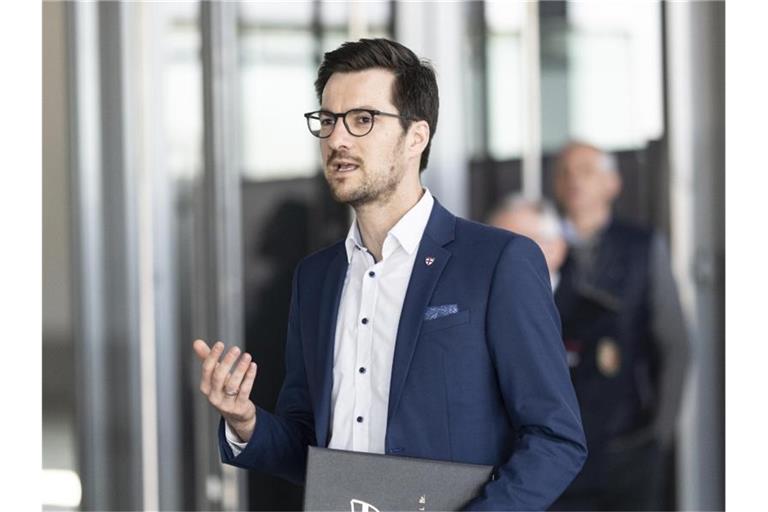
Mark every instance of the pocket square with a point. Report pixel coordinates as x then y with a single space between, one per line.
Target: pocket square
434 312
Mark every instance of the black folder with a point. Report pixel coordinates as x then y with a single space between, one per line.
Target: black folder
367 482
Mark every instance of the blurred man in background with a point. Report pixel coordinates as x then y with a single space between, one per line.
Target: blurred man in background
626 339
538 221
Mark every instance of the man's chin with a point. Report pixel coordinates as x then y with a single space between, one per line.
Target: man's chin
352 198
343 194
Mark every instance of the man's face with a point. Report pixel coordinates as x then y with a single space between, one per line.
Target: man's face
363 170
581 184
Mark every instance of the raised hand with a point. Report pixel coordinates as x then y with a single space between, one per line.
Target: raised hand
228 389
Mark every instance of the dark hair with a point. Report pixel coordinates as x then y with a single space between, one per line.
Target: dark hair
414 92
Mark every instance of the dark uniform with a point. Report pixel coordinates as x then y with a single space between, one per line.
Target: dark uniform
627 348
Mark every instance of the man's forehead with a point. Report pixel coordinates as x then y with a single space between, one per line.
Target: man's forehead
582 154
581 158
370 88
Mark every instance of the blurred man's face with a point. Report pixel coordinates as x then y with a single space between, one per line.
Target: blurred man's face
528 222
362 170
582 184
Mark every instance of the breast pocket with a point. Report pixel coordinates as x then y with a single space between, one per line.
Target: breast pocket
444 322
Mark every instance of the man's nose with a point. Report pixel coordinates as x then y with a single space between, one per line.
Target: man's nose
340 136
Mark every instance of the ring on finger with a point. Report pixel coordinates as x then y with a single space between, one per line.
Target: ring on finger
230 394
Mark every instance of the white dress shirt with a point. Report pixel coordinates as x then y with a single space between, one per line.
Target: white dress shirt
366 330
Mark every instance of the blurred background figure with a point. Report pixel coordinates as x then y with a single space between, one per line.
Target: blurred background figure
538 221
625 336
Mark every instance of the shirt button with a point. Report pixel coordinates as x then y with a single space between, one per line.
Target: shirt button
359 419
362 369
365 321
371 273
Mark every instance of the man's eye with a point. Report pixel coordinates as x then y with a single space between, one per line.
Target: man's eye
363 119
327 121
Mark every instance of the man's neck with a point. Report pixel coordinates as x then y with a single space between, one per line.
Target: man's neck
588 223
374 220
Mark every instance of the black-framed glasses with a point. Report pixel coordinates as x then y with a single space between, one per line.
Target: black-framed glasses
358 121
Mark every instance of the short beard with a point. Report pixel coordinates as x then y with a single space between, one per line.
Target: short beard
378 189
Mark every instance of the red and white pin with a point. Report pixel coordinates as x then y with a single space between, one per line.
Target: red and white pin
429 260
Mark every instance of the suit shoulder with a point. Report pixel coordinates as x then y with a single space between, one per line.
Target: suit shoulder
320 259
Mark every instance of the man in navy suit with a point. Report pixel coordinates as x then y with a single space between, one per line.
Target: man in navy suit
421 334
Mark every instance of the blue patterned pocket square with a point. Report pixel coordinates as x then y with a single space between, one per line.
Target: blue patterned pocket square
435 312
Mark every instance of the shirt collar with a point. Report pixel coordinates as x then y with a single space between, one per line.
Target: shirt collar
407 232
354 240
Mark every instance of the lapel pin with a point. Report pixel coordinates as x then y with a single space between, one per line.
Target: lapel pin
429 260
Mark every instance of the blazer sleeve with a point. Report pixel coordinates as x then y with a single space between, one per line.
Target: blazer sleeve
524 337
279 442
671 335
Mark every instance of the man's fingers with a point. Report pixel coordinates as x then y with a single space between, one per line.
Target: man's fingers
245 388
201 349
233 383
209 365
222 371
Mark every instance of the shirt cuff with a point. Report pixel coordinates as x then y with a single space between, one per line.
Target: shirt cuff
233 440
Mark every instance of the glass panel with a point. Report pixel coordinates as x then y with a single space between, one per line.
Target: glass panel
277 13
504 16
182 90
505 109
504 21
339 14
276 87
601 73
614 57
343 21
277 73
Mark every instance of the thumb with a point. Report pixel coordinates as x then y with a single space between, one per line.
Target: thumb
201 349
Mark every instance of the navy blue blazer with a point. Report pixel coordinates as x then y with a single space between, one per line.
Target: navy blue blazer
488 384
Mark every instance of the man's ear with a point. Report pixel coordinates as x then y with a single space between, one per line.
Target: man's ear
418 138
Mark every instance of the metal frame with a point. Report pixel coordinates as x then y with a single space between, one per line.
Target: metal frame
532 175
696 90
105 262
86 258
217 289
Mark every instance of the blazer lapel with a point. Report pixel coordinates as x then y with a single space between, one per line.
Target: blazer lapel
329 309
431 260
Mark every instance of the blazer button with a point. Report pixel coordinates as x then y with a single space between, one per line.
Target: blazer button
364 320
359 419
362 369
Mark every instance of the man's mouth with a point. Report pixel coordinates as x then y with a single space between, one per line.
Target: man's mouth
343 166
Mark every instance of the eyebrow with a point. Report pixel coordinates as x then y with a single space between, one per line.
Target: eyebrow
363 107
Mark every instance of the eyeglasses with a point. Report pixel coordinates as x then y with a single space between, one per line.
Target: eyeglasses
359 121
